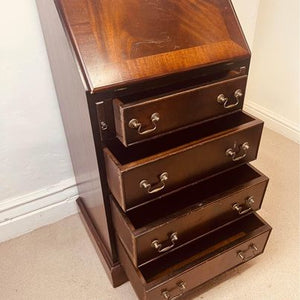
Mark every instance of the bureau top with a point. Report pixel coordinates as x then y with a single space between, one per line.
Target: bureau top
118 42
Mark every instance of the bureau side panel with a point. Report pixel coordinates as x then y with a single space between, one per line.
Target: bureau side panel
72 96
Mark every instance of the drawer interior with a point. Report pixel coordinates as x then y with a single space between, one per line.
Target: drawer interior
202 131
182 85
198 194
203 248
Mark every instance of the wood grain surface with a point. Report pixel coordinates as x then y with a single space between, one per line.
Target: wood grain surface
176 110
122 41
198 262
186 156
190 212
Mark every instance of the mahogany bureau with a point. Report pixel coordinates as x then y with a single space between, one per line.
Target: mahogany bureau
151 94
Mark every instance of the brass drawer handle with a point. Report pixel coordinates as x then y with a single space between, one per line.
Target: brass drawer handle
224 100
146 185
180 285
242 253
239 208
158 246
135 124
233 154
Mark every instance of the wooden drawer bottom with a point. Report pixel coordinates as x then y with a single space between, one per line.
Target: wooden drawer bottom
191 265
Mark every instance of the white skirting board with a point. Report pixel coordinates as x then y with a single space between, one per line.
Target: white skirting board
274 121
29 212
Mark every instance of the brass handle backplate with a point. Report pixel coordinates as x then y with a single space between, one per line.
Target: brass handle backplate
160 186
221 99
239 208
167 294
135 124
159 247
234 154
242 254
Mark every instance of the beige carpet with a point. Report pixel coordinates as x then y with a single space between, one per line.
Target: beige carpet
59 262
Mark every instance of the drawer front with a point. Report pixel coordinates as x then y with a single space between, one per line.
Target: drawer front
199 221
181 278
188 166
143 119
204 215
209 269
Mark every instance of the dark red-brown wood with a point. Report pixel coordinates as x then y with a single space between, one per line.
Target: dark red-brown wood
189 212
119 42
199 261
186 156
81 133
144 53
113 270
176 110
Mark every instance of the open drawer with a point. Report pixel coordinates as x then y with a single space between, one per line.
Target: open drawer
163 224
150 169
150 117
182 270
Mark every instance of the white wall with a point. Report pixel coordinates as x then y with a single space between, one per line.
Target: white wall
36 177
35 167
273 88
247 13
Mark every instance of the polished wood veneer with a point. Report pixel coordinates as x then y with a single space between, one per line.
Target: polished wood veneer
190 211
201 260
119 42
81 137
193 154
176 110
151 94
113 269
